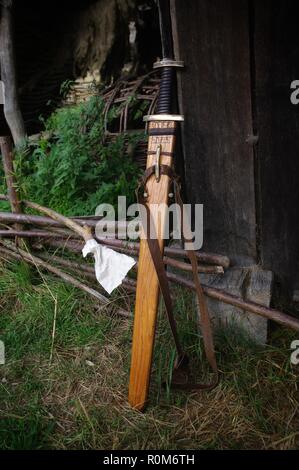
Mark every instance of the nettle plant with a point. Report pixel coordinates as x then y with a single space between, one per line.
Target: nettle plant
71 168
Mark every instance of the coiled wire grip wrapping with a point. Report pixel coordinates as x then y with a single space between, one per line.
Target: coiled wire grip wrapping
165 94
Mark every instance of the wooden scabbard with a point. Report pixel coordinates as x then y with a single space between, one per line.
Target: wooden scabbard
147 295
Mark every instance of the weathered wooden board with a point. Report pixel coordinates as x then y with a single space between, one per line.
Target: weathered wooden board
212 37
276 54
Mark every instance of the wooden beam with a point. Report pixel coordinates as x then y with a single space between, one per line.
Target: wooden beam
6 151
12 110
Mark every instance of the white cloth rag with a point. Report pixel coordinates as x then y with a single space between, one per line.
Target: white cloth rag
110 267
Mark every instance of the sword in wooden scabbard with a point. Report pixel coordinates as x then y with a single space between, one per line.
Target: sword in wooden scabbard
154 192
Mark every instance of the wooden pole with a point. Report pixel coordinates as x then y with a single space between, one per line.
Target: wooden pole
84 232
12 110
32 233
7 158
130 247
85 269
188 267
222 296
245 305
18 253
7 217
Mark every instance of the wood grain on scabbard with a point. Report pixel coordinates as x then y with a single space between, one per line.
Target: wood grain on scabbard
147 296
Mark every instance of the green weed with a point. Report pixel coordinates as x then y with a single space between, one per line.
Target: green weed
78 399
74 169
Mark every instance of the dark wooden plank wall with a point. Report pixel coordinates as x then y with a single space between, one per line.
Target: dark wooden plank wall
276 49
213 40
241 57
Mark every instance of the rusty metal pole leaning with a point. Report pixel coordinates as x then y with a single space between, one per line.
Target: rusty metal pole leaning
161 129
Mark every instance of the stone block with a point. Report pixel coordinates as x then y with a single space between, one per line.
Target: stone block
250 283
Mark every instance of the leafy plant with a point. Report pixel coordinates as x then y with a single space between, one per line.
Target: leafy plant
71 168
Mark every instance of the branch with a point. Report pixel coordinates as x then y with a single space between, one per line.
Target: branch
244 305
20 254
7 158
84 232
12 110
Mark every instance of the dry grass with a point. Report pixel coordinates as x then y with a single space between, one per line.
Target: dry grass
79 399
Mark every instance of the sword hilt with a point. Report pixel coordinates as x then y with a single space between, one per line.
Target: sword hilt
167 75
166 88
168 63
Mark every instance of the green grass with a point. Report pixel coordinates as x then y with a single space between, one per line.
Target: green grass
72 167
78 399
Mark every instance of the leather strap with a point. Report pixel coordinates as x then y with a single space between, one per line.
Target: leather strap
164 170
180 378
